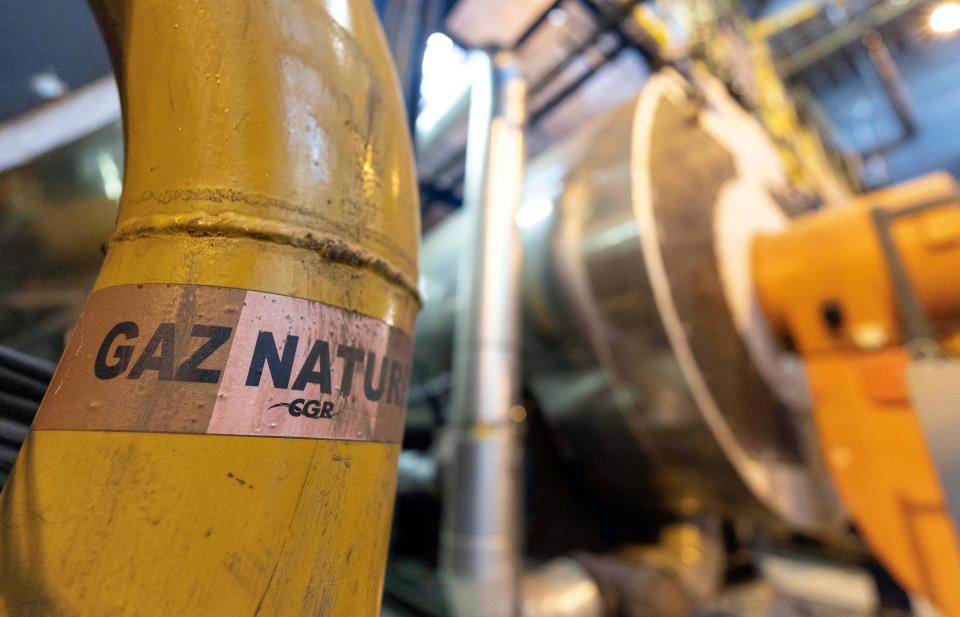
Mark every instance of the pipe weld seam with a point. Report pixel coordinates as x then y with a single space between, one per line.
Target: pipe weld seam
234 225
266 203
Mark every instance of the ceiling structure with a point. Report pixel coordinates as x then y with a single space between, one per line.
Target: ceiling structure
48 47
579 58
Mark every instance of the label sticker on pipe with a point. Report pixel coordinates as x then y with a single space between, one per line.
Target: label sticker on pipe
216 360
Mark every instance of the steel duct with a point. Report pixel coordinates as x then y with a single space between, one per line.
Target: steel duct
479 543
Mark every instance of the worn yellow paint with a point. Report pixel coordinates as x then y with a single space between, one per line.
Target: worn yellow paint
870 437
137 524
266 150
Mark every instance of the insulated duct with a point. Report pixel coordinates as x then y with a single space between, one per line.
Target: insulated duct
479 542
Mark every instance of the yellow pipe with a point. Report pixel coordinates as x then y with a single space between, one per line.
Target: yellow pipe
269 188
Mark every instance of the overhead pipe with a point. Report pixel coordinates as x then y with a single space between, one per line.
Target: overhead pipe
594 64
607 23
873 18
221 435
480 536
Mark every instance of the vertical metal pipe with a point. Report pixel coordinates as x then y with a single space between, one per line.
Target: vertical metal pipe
480 556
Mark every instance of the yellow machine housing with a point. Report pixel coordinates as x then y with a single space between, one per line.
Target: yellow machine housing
823 285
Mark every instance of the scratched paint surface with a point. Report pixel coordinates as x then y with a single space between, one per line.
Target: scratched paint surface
359 366
196 359
200 525
263 154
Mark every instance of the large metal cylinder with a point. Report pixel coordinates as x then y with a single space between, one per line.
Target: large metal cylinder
642 342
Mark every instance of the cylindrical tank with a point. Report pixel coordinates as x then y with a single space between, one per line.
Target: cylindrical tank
643 344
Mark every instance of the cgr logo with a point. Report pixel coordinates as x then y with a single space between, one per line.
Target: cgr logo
312 409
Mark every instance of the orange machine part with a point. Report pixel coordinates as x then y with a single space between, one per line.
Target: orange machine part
824 286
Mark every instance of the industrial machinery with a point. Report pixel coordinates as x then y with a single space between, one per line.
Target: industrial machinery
663 367
873 312
697 347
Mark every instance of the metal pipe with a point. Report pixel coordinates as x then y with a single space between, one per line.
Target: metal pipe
8 454
21 385
479 544
535 24
12 406
595 64
441 128
606 24
837 39
58 123
221 435
36 368
12 431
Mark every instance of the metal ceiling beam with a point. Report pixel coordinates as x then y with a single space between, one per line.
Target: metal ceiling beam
533 27
843 36
787 18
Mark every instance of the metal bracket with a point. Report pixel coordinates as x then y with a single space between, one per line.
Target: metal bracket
933 380
919 332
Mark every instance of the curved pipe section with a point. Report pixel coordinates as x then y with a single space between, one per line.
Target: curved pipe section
266 183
